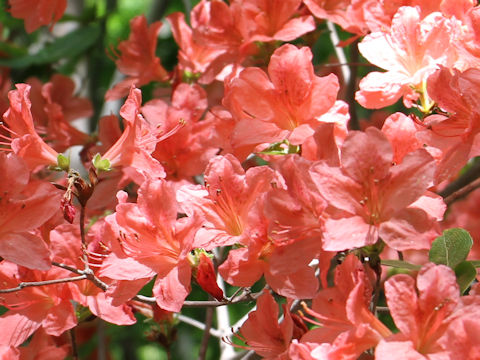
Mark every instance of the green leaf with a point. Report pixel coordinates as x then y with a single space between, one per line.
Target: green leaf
400 264
465 273
451 248
68 46
476 263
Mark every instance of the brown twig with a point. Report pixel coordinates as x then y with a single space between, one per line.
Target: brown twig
206 334
73 340
462 192
352 86
88 273
205 304
469 176
42 283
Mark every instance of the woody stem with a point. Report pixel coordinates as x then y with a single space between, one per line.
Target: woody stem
206 334
82 236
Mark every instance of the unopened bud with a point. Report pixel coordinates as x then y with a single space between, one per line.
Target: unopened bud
68 210
206 277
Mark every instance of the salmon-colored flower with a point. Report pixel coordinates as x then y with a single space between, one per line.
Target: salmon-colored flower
285 104
37 13
54 107
410 52
185 144
24 206
47 306
24 139
427 313
264 333
342 313
455 135
377 198
137 58
226 201
149 240
132 151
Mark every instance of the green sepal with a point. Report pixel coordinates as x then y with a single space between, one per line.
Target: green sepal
281 148
101 164
63 164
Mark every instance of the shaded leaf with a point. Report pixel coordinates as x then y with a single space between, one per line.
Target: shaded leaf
465 273
451 248
476 263
400 264
68 46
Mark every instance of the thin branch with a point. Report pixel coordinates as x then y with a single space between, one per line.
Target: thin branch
83 238
206 334
383 310
469 176
352 86
73 340
223 320
462 192
199 325
346 73
67 267
88 273
204 304
101 335
43 283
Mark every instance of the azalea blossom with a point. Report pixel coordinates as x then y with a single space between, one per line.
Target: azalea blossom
54 107
454 132
346 326
148 240
428 312
266 334
46 306
371 198
37 13
410 52
137 58
24 206
285 104
24 140
226 202
132 151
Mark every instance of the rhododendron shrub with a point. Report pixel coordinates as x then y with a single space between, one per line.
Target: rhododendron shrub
223 169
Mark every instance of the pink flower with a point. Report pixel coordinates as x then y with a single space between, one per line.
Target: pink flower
149 240
54 106
132 151
227 202
36 13
285 104
456 135
370 198
410 52
196 59
263 333
137 58
346 325
434 321
184 144
47 306
24 206
25 141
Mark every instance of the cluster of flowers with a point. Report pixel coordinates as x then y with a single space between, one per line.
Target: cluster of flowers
194 186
